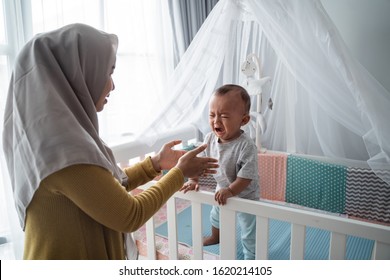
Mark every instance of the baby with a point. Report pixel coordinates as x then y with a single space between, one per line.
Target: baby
236 152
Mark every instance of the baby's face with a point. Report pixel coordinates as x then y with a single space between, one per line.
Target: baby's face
227 115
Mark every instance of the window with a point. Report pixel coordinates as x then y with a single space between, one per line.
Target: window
5 53
140 72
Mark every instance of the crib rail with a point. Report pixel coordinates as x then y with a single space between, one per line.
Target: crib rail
339 227
299 219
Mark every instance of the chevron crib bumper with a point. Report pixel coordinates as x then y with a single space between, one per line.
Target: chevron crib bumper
367 196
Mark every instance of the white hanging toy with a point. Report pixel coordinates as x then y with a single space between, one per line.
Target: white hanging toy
254 87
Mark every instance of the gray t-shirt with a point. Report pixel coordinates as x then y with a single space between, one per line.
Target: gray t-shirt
237 158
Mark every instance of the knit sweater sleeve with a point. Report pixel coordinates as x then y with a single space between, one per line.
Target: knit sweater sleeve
96 192
140 173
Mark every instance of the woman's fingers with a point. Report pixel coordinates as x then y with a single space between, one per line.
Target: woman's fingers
193 166
196 151
173 143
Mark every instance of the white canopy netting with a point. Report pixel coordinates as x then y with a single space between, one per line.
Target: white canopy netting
323 101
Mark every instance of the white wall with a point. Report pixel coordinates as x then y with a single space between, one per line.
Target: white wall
365 27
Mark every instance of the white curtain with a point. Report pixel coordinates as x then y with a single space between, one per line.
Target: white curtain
11 39
325 102
144 61
187 16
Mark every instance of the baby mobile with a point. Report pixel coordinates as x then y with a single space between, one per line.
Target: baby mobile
254 87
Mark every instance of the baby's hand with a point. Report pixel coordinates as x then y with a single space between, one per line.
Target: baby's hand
222 195
190 185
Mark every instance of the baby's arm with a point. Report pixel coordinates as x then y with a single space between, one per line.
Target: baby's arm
234 189
190 185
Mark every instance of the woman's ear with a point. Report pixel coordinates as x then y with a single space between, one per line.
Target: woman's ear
245 119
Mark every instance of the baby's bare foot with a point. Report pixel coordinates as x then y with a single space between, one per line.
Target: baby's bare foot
210 240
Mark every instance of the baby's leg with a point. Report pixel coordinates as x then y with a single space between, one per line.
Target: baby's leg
247 224
214 220
213 238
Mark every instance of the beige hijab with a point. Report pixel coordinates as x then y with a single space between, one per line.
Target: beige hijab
50 118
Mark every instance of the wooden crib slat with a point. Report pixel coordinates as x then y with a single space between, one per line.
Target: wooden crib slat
338 245
262 235
172 229
298 235
150 239
381 251
197 237
227 245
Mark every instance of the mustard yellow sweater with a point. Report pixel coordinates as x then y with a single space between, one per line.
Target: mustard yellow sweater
81 211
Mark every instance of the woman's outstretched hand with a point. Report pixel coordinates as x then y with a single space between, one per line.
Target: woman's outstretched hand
167 157
193 166
187 162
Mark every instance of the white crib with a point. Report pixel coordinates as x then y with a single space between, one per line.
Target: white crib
340 227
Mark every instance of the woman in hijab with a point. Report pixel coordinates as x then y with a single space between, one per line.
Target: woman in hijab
71 197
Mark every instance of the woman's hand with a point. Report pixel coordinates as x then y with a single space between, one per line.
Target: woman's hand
193 166
167 157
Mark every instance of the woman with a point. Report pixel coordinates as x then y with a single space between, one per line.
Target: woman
71 197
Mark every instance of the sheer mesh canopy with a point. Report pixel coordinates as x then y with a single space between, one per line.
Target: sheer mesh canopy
324 102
